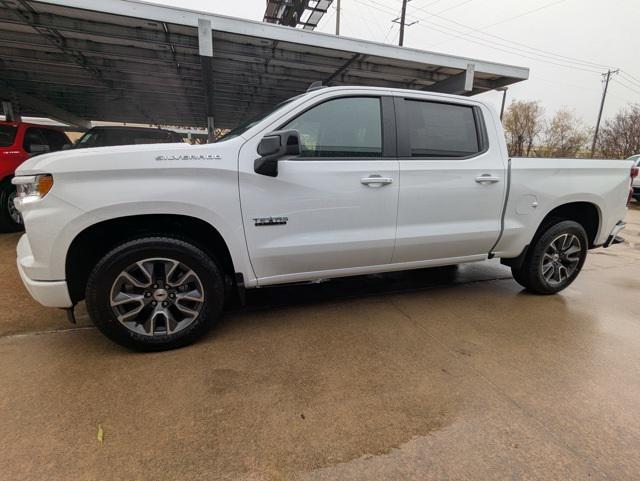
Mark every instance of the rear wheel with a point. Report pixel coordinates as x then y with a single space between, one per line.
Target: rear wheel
10 218
155 293
554 259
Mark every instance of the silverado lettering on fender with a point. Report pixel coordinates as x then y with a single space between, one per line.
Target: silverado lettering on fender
336 182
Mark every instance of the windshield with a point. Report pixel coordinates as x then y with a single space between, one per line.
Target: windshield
7 135
242 128
635 158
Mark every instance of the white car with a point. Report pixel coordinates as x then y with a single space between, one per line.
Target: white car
636 181
336 182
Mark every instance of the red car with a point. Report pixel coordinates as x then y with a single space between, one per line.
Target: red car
18 142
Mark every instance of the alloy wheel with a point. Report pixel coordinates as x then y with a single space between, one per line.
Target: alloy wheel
561 259
157 296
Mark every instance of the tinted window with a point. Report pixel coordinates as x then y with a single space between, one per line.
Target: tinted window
33 136
7 135
441 130
346 127
55 139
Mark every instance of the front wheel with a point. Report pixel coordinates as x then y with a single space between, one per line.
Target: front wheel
10 218
554 259
155 293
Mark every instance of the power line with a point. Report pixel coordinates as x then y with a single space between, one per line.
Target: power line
630 78
547 53
388 32
619 82
446 9
484 42
431 3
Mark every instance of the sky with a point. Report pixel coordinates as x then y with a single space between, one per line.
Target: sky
567 44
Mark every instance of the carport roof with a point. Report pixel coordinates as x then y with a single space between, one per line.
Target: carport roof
128 61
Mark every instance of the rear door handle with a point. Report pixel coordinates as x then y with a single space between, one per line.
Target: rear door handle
376 181
486 179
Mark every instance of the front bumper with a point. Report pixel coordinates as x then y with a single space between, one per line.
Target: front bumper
47 293
613 236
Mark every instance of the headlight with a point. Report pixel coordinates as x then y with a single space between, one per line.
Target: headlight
32 187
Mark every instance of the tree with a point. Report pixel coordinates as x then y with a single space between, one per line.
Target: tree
564 136
522 124
620 137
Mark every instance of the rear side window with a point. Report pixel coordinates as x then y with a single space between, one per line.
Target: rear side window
441 130
7 135
55 139
343 127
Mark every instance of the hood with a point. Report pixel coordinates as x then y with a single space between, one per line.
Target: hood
122 157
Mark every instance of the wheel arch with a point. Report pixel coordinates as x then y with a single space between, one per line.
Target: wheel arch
585 213
92 243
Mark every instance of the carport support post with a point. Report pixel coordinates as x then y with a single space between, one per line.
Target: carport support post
205 44
11 112
459 84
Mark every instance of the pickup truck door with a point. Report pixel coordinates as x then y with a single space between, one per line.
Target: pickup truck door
452 181
334 207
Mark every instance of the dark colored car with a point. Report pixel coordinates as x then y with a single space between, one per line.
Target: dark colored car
109 136
18 142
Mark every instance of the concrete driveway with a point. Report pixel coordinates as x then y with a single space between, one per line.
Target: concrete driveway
436 374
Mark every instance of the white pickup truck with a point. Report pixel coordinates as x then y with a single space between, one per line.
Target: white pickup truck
336 182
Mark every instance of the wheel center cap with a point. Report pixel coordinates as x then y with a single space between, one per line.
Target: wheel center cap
556 257
160 295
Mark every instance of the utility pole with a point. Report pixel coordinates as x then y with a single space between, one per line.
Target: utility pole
403 17
504 100
338 18
402 20
607 77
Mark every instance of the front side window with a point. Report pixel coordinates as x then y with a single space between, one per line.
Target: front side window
343 127
441 130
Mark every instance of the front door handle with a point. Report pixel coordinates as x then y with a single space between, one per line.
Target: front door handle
376 181
486 179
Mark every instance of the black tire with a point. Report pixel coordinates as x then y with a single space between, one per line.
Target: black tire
108 270
7 221
531 275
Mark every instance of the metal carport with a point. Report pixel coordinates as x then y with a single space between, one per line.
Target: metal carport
128 61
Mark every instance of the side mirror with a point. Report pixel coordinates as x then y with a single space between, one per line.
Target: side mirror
273 147
36 149
67 146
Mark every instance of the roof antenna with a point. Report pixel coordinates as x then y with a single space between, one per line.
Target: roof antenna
317 85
